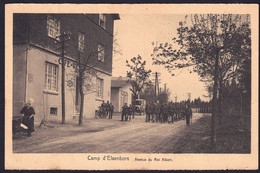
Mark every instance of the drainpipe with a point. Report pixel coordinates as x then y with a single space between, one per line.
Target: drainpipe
26 57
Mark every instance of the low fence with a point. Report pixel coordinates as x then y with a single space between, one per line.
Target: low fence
201 110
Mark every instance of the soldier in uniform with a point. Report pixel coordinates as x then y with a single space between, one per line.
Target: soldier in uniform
107 108
111 110
166 112
129 113
124 112
103 109
153 110
162 113
170 112
147 112
157 112
188 114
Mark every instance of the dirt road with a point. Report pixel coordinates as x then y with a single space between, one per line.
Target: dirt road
135 136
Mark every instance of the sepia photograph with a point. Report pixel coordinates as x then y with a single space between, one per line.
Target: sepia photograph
149 87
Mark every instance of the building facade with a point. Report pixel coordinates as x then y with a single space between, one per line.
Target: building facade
37 61
120 93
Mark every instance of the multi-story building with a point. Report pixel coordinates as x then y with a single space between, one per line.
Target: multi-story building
37 61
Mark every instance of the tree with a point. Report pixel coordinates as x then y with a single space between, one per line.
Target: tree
138 77
86 71
163 97
212 44
148 94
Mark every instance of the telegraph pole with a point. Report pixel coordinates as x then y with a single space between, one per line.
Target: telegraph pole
156 86
62 79
64 37
189 95
155 89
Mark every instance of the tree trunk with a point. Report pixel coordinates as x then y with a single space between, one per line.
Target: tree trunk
220 99
81 107
134 106
214 104
81 100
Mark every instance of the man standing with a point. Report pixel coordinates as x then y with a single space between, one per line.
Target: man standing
124 112
129 113
188 114
28 117
107 108
147 112
111 110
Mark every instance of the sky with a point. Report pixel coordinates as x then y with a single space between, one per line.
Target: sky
135 34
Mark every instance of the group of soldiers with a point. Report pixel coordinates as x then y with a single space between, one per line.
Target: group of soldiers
127 112
168 112
106 109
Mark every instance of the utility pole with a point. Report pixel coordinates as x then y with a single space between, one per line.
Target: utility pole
64 37
189 96
156 85
176 97
165 87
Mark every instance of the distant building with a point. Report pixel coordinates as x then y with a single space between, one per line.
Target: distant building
37 62
120 93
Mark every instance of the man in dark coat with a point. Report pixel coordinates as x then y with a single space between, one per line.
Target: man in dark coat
28 117
129 113
111 110
188 114
147 112
124 112
107 108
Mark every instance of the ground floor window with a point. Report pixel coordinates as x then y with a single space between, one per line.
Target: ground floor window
51 76
100 86
124 97
53 111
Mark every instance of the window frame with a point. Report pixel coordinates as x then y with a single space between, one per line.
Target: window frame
81 42
101 53
102 20
51 67
53 26
99 87
55 109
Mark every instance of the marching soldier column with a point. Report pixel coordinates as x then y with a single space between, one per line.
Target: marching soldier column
168 113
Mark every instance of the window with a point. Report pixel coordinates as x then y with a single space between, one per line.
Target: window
51 77
53 111
81 42
101 53
102 21
99 87
53 27
124 97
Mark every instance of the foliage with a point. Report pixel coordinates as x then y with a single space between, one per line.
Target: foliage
214 45
198 44
148 94
163 96
138 77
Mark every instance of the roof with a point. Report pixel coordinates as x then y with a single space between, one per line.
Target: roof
119 82
116 16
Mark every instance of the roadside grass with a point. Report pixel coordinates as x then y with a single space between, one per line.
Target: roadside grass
196 138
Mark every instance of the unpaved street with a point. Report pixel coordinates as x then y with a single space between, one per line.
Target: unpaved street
121 137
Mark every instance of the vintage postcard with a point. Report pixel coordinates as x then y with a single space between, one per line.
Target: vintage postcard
131 86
